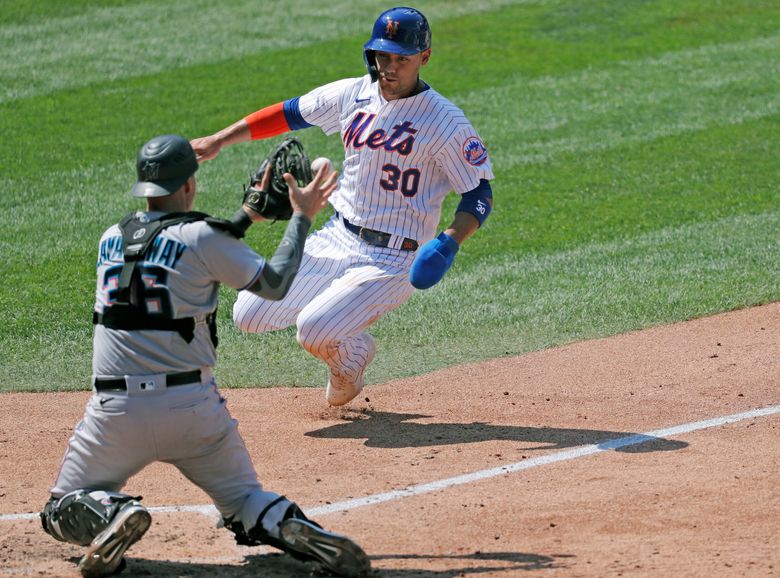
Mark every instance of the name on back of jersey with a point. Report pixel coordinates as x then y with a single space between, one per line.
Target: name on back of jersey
166 252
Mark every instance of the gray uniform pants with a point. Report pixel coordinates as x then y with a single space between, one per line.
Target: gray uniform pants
186 425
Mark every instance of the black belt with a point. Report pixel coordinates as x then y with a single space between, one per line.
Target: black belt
377 238
171 379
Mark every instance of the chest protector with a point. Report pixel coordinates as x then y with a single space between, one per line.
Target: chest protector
137 237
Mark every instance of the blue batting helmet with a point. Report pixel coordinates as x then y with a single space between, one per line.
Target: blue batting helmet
400 30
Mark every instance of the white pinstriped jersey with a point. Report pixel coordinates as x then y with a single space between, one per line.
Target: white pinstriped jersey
401 157
182 272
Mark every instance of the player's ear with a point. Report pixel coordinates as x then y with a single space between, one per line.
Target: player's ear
426 56
189 191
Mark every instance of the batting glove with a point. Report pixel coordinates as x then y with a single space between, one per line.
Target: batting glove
432 261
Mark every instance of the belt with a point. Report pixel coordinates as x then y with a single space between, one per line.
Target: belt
171 379
377 238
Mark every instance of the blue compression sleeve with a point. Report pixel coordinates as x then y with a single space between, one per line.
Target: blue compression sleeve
476 203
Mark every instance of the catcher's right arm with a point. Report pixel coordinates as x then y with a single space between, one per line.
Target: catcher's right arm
273 201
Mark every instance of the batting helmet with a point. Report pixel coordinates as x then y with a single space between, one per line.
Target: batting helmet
164 164
400 30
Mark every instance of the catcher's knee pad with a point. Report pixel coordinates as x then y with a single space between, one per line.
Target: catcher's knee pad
266 532
79 516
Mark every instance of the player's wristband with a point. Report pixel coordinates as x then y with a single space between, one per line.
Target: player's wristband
241 220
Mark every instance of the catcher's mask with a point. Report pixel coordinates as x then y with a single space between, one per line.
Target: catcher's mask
164 164
400 30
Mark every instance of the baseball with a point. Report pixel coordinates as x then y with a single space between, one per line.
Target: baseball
318 162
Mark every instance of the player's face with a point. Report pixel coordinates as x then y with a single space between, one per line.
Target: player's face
398 74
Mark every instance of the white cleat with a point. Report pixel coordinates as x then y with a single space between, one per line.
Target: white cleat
337 553
340 392
105 554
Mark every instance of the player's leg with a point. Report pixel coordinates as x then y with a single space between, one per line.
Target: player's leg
108 446
217 461
332 326
86 507
107 522
283 525
321 263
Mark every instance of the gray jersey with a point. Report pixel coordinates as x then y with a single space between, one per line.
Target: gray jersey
187 424
181 272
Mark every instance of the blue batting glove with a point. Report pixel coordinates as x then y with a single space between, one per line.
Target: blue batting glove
433 260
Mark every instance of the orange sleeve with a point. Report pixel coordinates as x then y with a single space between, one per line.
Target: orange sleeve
267 122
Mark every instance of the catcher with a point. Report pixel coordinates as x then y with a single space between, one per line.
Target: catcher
154 393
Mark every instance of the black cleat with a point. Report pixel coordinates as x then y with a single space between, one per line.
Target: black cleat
337 553
104 556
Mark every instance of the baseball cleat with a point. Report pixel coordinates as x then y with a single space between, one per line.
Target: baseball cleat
105 554
338 392
344 394
337 553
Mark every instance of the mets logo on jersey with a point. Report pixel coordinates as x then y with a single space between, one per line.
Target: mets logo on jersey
474 151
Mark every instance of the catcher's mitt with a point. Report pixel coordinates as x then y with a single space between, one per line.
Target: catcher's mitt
274 202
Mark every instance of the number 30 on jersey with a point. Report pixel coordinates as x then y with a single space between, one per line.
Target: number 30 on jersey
406 181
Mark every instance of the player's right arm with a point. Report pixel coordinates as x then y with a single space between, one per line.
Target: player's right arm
208 147
319 107
267 122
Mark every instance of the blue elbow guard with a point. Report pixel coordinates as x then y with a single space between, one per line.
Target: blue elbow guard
432 261
476 203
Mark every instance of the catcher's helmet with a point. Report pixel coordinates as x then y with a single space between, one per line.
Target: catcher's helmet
164 164
400 30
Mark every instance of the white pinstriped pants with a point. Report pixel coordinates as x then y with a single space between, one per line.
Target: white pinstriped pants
342 287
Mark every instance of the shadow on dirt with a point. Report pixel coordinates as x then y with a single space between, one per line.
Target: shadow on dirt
474 564
397 430
266 565
283 566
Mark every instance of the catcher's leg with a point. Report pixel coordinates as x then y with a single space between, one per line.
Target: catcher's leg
218 463
108 522
283 525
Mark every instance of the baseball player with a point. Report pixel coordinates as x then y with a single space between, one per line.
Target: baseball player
155 397
405 148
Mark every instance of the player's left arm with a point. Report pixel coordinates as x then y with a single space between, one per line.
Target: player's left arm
472 211
435 258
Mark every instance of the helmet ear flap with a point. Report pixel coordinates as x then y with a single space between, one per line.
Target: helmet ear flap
369 57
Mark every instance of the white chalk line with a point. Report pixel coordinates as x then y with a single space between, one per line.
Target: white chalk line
416 490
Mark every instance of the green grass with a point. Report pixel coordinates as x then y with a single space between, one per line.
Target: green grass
634 142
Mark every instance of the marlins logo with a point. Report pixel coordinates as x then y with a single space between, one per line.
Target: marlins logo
151 170
392 28
474 151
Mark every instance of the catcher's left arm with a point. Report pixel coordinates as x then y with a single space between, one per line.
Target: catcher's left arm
271 199
286 164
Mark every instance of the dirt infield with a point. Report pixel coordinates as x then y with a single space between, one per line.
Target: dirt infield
705 502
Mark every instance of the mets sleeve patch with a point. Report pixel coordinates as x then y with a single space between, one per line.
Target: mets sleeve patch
474 151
